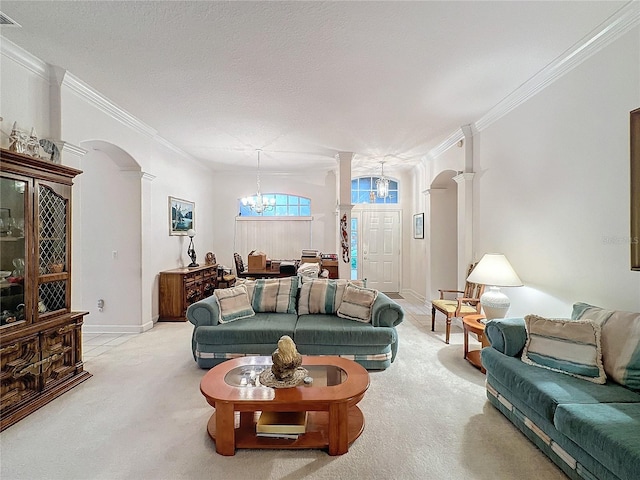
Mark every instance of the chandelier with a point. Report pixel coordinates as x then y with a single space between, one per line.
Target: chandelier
382 185
258 203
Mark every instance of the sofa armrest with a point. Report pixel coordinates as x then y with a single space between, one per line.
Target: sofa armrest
204 312
386 312
507 335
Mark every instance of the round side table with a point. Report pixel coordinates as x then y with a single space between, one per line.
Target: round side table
472 324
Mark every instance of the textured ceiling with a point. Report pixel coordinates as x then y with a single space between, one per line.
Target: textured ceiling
303 80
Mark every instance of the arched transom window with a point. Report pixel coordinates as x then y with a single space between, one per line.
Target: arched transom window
363 190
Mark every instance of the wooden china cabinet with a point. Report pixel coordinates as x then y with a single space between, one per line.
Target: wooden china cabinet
40 337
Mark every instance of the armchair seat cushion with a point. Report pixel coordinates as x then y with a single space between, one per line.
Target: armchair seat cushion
450 307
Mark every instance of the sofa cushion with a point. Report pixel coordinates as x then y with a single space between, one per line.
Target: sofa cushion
333 330
263 328
273 294
544 390
322 295
620 342
356 303
610 432
566 346
233 304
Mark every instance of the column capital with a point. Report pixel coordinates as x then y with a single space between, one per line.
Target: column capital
464 177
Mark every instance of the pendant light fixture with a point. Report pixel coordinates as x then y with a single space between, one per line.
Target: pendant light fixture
258 203
382 185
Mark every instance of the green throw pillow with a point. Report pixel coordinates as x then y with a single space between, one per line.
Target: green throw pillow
273 294
320 295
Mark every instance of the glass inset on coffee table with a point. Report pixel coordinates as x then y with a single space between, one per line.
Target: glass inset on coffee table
334 420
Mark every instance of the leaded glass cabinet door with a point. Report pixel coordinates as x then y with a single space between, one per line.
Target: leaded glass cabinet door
14 248
52 248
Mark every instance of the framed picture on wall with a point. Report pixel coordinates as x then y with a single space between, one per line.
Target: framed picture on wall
181 216
418 225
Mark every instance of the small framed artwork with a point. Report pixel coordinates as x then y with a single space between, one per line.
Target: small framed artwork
418 225
181 216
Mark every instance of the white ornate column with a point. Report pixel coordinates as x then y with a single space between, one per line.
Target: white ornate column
465 223
148 302
344 206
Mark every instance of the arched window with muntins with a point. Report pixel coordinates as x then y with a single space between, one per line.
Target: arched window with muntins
284 205
363 190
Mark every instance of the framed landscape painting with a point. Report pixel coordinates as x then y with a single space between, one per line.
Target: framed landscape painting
418 225
181 216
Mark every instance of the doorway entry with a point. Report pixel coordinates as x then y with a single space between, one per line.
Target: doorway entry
378 258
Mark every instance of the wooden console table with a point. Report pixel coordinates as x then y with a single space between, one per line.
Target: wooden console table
181 287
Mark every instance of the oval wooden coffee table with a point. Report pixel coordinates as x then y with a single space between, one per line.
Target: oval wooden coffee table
334 420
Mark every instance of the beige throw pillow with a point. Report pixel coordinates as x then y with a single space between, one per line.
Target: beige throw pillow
233 303
567 346
357 303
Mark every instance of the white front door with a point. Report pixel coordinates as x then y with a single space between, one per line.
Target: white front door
381 249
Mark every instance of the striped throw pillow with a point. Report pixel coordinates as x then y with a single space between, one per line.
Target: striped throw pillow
233 303
322 295
274 294
620 342
357 303
566 346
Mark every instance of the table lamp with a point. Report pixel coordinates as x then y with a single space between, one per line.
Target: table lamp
191 251
494 271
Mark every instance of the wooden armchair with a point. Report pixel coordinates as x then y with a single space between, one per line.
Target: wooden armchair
466 304
240 270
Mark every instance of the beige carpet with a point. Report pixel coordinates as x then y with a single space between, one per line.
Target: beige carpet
142 416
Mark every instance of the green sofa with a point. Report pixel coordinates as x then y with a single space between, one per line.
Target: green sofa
373 344
591 431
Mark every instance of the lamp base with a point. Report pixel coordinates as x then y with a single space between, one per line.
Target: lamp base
494 303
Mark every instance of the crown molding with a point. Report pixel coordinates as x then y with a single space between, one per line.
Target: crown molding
446 144
73 149
105 105
603 35
24 58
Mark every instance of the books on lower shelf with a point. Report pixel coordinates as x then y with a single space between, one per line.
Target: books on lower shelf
286 436
281 423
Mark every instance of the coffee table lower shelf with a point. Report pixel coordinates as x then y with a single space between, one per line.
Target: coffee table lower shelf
316 436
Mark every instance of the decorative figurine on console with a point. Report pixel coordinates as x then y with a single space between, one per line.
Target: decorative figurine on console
286 370
191 251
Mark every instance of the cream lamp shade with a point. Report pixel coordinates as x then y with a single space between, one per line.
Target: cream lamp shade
494 271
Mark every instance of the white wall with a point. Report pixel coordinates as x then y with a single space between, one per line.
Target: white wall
552 187
29 104
228 188
110 224
415 258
